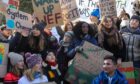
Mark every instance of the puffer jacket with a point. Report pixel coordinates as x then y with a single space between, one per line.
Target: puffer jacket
132 41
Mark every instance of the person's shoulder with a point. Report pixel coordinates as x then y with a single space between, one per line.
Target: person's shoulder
120 74
124 29
10 76
45 78
23 80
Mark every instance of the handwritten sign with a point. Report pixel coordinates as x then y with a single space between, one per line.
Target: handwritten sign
108 7
14 4
69 10
85 7
88 63
48 11
3 58
126 4
18 19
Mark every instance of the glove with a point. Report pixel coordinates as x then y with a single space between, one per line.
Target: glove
79 49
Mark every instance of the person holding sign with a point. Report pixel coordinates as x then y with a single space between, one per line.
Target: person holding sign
83 32
110 39
110 73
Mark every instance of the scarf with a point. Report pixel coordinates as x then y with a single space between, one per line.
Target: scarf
52 63
37 75
114 37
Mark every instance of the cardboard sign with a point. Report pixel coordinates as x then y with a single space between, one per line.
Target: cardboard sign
126 4
108 7
48 11
85 7
18 19
128 70
3 59
3 7
14 4
69 10
86 65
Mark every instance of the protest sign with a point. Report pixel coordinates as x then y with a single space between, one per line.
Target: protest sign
108 7
3 59
87 64
3 7
85 7
69 10
128 70
126 4
18 19
48 11
14 4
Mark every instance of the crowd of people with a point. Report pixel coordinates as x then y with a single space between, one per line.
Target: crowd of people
41 55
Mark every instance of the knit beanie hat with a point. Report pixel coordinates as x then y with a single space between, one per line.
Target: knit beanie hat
96 13
15 58
32 59
135 17
70 34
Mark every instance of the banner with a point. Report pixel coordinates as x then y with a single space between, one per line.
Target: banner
69 10
48 11
3 59
14 4
85 7
87 64
108 7
18 19
128 70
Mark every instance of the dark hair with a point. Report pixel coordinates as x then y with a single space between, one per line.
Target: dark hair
78 29
111 57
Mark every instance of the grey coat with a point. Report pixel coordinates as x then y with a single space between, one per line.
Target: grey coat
132 41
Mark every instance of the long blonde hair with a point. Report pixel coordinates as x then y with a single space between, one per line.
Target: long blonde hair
15 70
29 74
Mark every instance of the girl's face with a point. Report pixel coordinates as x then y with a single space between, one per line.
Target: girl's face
20 64
69 27
25 32
36 32
38 67
50 57
108 23
85 28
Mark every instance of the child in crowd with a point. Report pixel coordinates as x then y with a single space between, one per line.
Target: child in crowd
16 70
34 73
50 68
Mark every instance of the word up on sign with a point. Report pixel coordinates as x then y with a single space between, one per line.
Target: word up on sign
48 11
18 19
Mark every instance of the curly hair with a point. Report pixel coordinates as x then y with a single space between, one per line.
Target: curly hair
78 30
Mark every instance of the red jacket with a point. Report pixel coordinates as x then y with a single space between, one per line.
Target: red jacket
11 78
